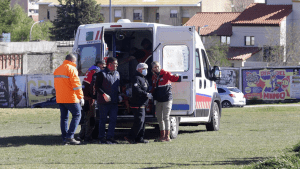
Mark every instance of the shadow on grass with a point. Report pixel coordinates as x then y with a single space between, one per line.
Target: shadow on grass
16 141
52 139
238 161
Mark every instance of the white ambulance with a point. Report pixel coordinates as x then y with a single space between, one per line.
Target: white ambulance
178 49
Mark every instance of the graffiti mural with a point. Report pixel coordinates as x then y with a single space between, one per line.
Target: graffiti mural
271 84
229 78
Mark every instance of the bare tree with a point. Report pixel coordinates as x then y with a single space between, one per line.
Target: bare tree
283 52
217 52
239 5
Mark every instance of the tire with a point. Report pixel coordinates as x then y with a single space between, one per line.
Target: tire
45 93
53 92
174 122
226 104
214 124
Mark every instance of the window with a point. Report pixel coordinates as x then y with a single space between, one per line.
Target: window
137 15
157 15
205 64
221 90
118 15
203 39
249 40
225 40
173 14
176 58
197 60
89 36
48 14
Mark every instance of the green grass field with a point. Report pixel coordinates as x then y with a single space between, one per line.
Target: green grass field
30 138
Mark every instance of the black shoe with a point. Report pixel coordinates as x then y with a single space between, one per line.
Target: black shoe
129 140
102 141
142 141
111 141
72 141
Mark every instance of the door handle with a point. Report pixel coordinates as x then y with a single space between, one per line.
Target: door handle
200 84
204 84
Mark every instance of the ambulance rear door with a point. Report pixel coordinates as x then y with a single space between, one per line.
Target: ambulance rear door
175 53
90 47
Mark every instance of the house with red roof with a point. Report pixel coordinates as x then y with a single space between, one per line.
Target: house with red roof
252 31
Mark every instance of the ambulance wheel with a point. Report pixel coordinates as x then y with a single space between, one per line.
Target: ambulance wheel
214 124
174 121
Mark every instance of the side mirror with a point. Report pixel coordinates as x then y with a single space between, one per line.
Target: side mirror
216 73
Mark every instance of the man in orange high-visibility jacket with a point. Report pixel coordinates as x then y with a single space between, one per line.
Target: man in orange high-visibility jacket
69 97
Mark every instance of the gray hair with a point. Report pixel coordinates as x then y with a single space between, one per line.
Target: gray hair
141 66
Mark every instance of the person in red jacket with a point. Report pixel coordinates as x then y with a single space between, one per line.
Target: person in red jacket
69 97
161 83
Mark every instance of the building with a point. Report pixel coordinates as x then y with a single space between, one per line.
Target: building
30 7
171 12
252 33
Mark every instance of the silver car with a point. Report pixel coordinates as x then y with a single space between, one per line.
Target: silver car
231 96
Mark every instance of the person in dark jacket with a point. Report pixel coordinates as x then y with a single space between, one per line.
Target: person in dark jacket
138 102
108 89
161 83
88 110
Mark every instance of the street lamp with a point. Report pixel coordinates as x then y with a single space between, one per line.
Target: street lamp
32 27
201 28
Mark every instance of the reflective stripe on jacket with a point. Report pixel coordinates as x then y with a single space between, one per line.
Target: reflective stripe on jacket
67 83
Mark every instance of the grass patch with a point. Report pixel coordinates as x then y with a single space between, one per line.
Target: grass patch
30 138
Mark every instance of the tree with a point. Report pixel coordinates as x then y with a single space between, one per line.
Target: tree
21 24
5 13
217 52
282 49
72 14
239 5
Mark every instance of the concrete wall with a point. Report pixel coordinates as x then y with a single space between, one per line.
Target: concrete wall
263 35
277 2
296 14
28 47
216 6
36 57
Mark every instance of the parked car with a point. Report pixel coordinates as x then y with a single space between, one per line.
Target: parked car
44 90
231 96
51 103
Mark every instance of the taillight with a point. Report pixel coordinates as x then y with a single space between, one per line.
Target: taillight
232 95
113 26
243 96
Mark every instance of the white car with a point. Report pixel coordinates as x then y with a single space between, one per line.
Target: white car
231 96
44 90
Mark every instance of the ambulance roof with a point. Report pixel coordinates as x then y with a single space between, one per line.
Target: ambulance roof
121 24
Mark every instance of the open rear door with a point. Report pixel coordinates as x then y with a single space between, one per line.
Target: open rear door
90 47
175 54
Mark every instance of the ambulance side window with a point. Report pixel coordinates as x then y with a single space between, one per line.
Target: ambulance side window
205 64
197 60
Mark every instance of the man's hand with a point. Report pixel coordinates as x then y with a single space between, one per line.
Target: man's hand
106 97
149 95
120 99
81 102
